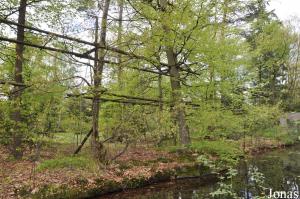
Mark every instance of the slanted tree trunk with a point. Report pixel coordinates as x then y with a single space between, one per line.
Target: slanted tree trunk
178 106
18 90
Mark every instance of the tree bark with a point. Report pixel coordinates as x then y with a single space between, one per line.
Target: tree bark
160 93
178 106
83 142
120 29
17 91
95 103
98 70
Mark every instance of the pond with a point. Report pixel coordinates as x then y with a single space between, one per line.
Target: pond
276 172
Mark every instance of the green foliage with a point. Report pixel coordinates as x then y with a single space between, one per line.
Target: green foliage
260 118
225 190
226 185
277 133
226 151
216 122
238 76
270 59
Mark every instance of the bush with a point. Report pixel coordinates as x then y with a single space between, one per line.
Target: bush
216 122
261 118
226 151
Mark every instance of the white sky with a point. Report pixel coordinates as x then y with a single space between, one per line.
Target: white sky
286 9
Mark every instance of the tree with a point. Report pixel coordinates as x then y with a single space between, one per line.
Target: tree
16 94
291 97
272 57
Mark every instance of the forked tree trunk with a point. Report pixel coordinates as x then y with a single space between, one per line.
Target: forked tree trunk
17 91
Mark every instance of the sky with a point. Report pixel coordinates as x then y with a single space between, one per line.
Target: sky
286 9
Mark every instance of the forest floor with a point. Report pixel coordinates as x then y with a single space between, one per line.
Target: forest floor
138 162
15 176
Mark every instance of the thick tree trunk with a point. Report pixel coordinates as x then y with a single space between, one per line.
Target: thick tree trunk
178 106
17 91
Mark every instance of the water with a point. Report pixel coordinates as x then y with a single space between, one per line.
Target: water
278 170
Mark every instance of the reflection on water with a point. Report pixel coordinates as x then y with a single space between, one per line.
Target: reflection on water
278 170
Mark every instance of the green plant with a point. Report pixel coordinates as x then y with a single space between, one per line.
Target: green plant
226 151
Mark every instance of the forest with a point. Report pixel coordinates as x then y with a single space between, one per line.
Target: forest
102 96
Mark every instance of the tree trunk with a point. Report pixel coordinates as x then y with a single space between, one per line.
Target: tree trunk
160 93
120 28
98 70
18 90
178 106
95 103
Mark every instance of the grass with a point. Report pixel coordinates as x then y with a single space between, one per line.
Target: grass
62 138
171 149
71 162
65 138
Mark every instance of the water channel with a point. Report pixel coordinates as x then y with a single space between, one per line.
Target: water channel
261 175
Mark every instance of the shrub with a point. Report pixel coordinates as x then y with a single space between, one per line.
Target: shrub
227 152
